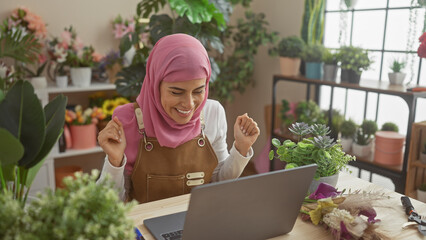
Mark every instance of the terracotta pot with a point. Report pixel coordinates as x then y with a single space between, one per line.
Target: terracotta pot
389 148
331 180
62 172
290 66
83 136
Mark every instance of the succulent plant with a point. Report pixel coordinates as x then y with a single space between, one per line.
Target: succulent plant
320 130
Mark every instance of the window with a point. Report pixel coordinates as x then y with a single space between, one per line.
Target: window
383 27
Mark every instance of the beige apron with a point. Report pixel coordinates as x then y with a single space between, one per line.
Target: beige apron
163 172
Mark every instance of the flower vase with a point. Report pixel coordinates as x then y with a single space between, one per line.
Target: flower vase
81 77
39 82
61 81
331 180
83 136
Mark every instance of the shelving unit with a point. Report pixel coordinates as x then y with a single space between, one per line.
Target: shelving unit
46 175
416 170
396 173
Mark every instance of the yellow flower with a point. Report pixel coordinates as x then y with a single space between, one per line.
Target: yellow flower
108 107
120 101
325 205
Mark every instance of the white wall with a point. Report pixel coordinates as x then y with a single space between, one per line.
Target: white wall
92 20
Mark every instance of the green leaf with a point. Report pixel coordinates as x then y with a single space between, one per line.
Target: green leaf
125 44
271 155
1 95
32 173
197 11
25 119
54 112
160 26
290 165
9 172
19 47
11 150
146 7
130 80
276 142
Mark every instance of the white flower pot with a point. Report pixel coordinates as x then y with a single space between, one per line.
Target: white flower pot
128 56
361 150
423 158
331 180
39 82
396 78
421 195
61 81
346 144
81 77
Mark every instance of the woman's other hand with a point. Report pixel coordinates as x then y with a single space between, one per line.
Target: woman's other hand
245 133
113 141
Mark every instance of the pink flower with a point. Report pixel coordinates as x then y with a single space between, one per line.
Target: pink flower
119 30
97 57
66 38
422 38
421 51
78 44
131 27
324 190
42 58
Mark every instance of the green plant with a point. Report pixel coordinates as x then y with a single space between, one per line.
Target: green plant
292 47
397 65
348 129
27 135
330 57
313 21
310 113
336 122
389 126
286 117
207 21
318 148
365 132
354 58
85 209
313 53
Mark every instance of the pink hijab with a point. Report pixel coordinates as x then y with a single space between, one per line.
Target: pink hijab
174 58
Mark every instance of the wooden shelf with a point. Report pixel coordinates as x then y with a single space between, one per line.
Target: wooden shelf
416 170
77 152
92 87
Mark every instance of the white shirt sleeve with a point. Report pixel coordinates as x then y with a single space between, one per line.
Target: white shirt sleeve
116 175
230 164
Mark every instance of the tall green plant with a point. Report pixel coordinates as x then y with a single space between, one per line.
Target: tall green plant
27 135
313 21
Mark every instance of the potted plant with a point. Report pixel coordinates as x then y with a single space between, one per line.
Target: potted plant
309 112
353 61
421 192
347 131
318 148
290 50
84 209
389 126
330 60
112 63
312 55
396 77
423 154
364 137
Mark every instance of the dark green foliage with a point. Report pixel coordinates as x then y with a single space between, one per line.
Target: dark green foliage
330 57
286 118
130 79
354 58
365 132
291 47
300 129
336 121
310 113
390 126
348 129
313 53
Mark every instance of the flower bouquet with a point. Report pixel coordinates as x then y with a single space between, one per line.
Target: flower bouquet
122 26
28 22
421 51
347 216
83 126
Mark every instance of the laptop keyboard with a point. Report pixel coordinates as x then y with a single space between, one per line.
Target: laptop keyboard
176 235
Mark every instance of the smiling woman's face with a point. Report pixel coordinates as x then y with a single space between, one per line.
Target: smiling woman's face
181 99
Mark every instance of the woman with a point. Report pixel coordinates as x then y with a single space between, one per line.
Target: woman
173 138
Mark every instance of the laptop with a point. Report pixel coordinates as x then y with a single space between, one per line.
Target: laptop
255 207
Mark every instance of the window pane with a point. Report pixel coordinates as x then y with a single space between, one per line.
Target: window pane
399 3
332 5
373 73
388 59
393 109
364 4
355 107
336 24
371 106
412 68
368 29
397 30
420 111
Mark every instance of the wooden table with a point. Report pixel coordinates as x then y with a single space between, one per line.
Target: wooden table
389 211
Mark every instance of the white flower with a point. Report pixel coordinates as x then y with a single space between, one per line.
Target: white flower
60 53
3 70
334 218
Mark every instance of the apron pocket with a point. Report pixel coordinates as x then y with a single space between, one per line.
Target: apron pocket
161 186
